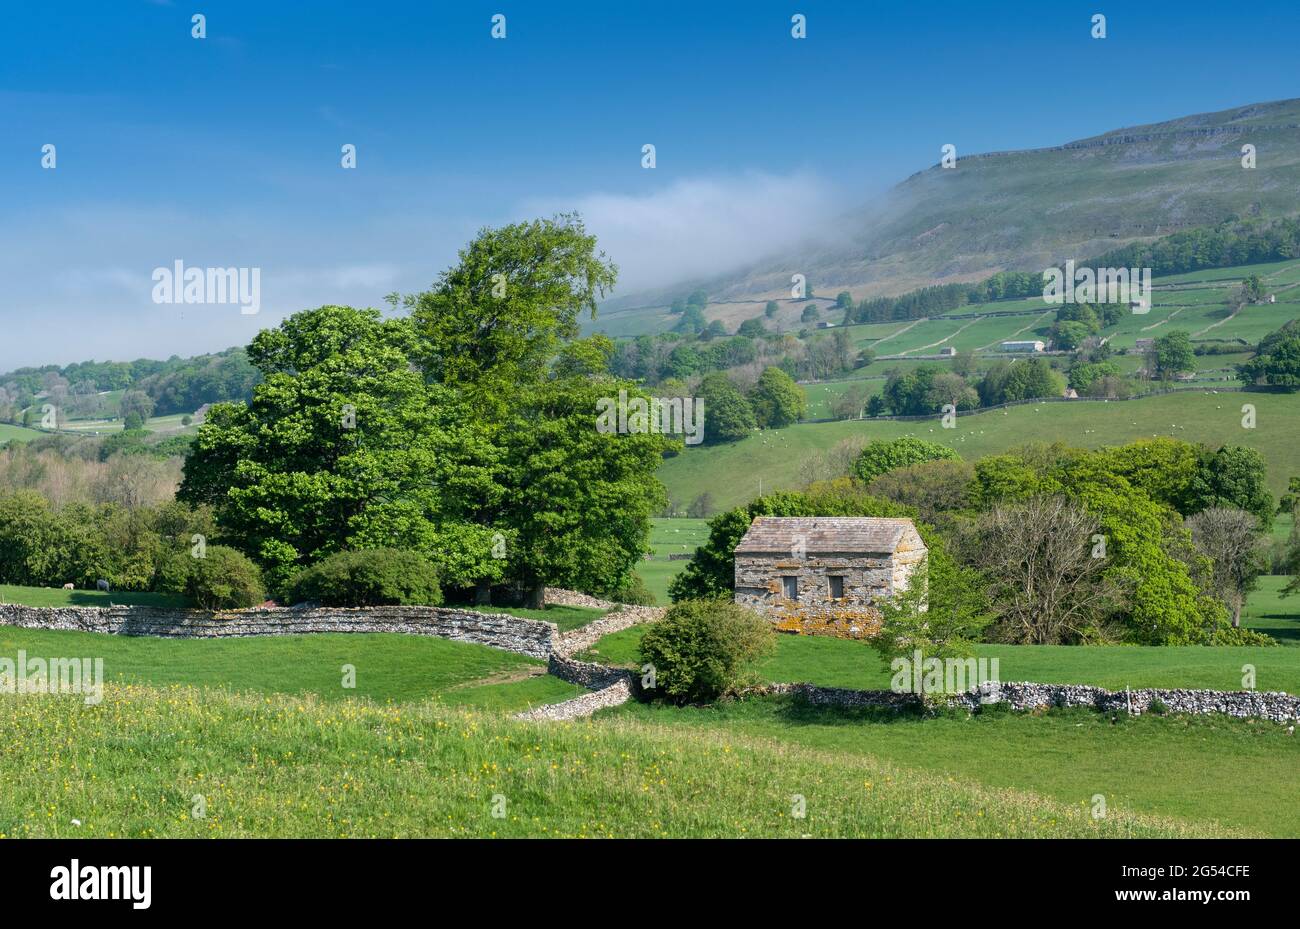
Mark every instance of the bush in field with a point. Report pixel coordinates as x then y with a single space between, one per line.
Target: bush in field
370 577
222 579
885 455
703 649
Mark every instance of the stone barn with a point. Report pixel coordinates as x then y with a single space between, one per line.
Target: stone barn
824 574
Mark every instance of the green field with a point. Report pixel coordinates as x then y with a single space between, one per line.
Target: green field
670 537
397 668
143 761
170 423
731 473
54 596
13 433
846 663
1218 772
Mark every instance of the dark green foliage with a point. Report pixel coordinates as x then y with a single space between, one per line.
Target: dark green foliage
41 546
1174 355
704 649
1023 379
727 414
634 591
882 456
1234 477
369 577
1276 362
1234 242
222 579
776 399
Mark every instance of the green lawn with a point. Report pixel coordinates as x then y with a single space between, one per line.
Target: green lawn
55 596
1211 770
388 667
141 762
731 473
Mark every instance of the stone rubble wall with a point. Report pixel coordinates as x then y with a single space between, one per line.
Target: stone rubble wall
575 640
496 630
1026 696
558 596
587 674
582 706
1277 706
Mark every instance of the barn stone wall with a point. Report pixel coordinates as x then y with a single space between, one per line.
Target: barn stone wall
867 579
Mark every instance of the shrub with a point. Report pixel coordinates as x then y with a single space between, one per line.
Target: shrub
370 577
223 579
885 455
703 649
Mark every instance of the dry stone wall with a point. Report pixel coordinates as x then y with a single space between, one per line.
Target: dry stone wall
496 630
575 640
1026 696
583 706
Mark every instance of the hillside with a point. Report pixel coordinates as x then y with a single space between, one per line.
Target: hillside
776 458
1026 210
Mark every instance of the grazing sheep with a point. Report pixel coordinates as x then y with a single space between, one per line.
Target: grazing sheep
101 584
69 586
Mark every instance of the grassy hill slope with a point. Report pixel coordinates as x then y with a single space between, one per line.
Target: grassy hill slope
732 473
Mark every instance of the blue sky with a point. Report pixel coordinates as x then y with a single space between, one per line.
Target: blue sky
225 151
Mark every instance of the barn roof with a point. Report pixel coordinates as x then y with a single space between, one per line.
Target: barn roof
868 534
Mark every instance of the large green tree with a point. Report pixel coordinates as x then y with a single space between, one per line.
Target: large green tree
494 321
345 444
777 400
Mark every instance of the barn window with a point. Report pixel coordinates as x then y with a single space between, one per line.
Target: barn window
791 587
837 587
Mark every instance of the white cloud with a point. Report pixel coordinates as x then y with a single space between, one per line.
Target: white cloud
700 227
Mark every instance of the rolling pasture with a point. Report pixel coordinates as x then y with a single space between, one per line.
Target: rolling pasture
731 473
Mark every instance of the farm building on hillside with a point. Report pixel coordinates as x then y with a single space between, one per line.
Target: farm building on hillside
947 351
1144 345
824 574
1034 346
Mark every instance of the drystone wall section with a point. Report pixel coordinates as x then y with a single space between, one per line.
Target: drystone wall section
497 630
585 673
1273 705
583 706
1025 696
558 596
575 640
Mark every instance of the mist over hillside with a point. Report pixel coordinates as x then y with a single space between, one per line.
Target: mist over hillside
1025 210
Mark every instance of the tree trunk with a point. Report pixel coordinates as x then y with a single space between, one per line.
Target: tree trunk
536 597
483 593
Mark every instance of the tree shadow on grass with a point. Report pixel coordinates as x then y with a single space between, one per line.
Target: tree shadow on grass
797 711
